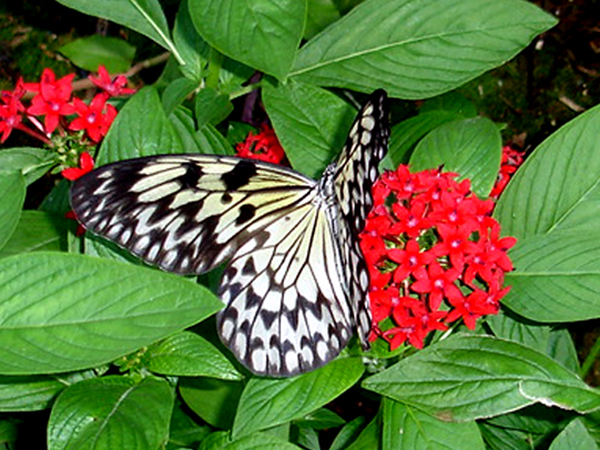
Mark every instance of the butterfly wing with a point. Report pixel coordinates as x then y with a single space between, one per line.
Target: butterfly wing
184 213
357 170
287 308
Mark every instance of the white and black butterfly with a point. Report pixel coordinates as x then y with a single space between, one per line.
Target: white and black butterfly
295 286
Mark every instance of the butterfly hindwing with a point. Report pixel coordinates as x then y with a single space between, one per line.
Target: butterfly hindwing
295 285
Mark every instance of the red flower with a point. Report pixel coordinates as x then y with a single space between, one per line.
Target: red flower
263 146
95 119
11 110
436 282
431 245
113 87
86 164
511 160
410 259
52 100
455 244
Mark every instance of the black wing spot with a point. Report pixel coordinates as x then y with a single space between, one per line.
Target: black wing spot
247 212
249 268
239 176
226 198
192 175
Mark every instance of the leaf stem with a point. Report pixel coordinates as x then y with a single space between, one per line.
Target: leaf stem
214 68
590 359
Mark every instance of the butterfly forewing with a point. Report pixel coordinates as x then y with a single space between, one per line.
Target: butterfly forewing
184 213
295 286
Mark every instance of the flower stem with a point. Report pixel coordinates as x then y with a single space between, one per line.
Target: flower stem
34 134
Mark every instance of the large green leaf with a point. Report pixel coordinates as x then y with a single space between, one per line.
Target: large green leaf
470 147
551 205
111 413
12 187
140 129
263 34
311 124
418 49
144 16
269 402
37 231
406 427
61 312
558 187
469 377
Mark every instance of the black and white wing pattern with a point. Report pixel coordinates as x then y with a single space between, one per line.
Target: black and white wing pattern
295 284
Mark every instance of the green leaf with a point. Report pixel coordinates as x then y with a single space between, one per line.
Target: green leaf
193 49
184 431
32 393
348 434
557 278
176 92
32 162
211 107
574 436
187 354
311 124
321 419
556 343
90 52
558 187
452 102
320 14
269 402
406 427
419 49
12 186
469 377
369 438
140 129
212 142
212 399
37 231
256 441
499 438
111 412
8 433
245 30
406 134
144 16
470 147
62 312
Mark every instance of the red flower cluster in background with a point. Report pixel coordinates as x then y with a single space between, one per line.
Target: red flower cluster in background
263 146
54 102
434 254
511 160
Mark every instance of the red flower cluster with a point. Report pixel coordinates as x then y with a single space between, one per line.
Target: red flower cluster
434 254
263 146
53 101
511 160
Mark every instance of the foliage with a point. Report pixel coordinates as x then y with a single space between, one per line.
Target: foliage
125 356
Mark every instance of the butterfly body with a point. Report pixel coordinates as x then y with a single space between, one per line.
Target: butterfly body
295 284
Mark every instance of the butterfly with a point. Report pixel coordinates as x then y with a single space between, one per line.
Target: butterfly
295 284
